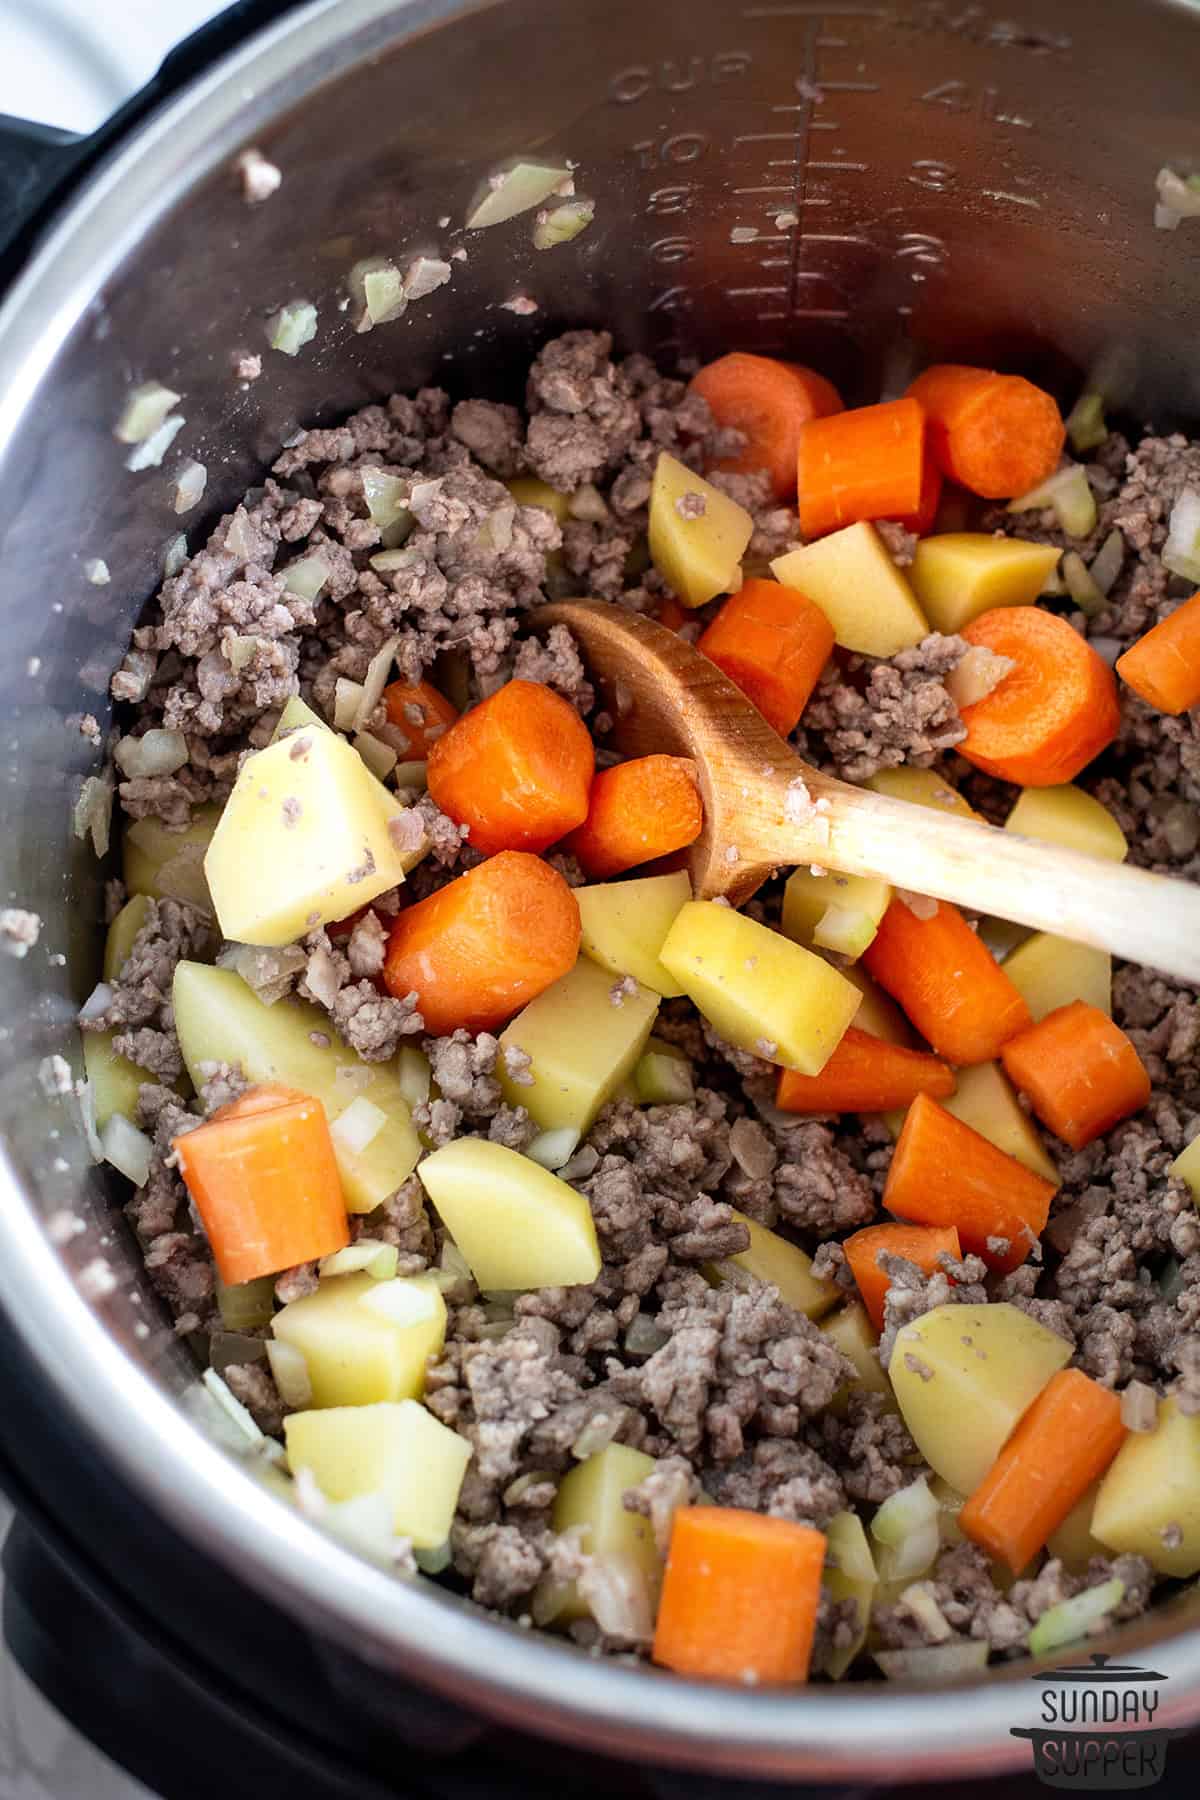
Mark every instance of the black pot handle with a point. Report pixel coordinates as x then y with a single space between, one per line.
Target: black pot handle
38 163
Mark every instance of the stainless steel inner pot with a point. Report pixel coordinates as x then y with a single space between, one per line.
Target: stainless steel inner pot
860 186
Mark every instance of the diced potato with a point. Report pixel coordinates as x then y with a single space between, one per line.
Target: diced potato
851 1330
962 1377
396 1449
1067 816
527 490
115 1080
663 1076
220 1019
986 1100
1074 1543
777 1262
1002 935
1049 972
834 912
122 933
762 992
302 841
858 587
697 556
1153 1484
878 1012
960 574
518 1225
364 1340
921 787
582 1042
625 923
169 865
849 1575
296 715
1187 1167
590 1496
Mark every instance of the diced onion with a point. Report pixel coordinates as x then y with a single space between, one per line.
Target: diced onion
1088 597
1086 427
358 1126
95 570
588 503
411 777
907 1527
920 1600
562 223
307 575
385 561
1181 552
1181 828
424 275
977 674
346 696
414 1075
644 1335
1073 1619
1164 218
452 1262
239 1417
247 1303
367 1257
269 972
380 758
183 878
1177 199
1139 1407
145 409
517 1490
86 1095
514 191
933 1662
240 537
293 326
149 452
1069 493
154 753
127 1149
379 287
290 1370
433 1562
553 1148
190 484
387 503
93 812
617 1593
1106 564
239 652
97 1002
596 1435
548 1599
374 682
175 554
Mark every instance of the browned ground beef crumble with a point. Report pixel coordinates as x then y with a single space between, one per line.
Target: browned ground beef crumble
729 1389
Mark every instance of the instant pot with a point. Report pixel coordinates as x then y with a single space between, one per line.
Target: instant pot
863 187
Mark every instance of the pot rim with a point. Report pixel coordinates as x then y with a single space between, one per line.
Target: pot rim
832 1733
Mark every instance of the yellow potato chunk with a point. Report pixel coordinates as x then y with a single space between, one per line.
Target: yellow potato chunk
921 787
169 865
962 1377
878 1012
1049 972
302 841
518 1225
663 1076
363 1340
122 933
1152 1484
591 1497
115 1080
395 1449
851 1330
834 912
527 490
762 992
1074 1542
220 1019
960 574
1187 1167
295 715
858 587
849 1575
986 1100
625 923
697 551
584 1036
773 1260
1067 816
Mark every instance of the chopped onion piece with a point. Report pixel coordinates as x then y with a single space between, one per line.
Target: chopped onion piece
920 1600
597 1434
239 652
1181 828
617 1592
513 191
384 561
190 484
424 275
516 1490
553 1148
183 878
1069 493
346 696
367 1257
414 1075
411 776
907 1527
268 971
562 223
1139 1407
306 576
358 1126
290 1370
588 503
1083 590
933 1662
1106 564
97 1002
247 1303
233 1409
1086 427
380 758
644 1335
1164 218
293 326
1176 196
976 675
154 753
374 681
387 502
127 1149
240 538
175 554
148 454
145 409
93 812
86 1095
548 1599
433 1562
1181 552
95 570
1073 1619
377 285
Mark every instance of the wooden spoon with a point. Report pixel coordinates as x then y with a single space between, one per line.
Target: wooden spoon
765 810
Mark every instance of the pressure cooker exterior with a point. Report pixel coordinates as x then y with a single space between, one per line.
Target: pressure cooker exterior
864 187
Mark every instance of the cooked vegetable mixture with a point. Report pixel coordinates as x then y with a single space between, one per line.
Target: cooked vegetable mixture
803 1291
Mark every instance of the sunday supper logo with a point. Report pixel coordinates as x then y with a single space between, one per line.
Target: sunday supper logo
1097 1731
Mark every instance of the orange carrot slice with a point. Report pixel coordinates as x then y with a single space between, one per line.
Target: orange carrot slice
1052 713
1080 1072
772 642
516 769
864 1074
921 521
864 464
923 1245
768 402
998 435
1164 666
947 981
638 810
418 710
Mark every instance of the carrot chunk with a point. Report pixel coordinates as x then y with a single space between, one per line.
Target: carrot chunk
638 810
1052 713
479 948
423 714
264 1179
944 1173
1080 1072
768 402
865 1074
1060 1446
1164 666
772 642
923 1245
947 981
998 435
739 1596
921 521
516 769
864 464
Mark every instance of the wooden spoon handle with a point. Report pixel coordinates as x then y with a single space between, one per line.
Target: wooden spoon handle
1145 918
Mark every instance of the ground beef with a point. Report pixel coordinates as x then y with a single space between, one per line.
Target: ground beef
878 715
584 416
140 1011
868 1445
787 1480
911 1293
373 1024
254 1385
555 662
